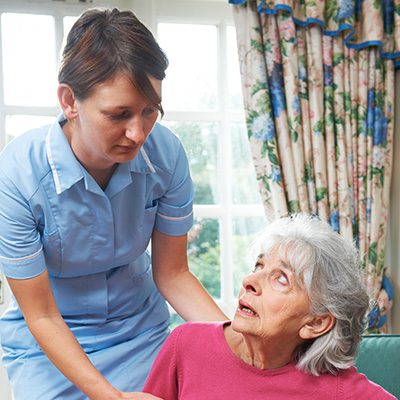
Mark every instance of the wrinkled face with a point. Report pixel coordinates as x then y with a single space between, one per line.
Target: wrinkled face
272 304
114 122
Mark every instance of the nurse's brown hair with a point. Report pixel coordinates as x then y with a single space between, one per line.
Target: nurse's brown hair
102 43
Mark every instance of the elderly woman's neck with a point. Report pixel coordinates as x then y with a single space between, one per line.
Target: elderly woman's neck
259 353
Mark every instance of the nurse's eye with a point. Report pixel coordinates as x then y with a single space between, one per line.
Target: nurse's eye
150 111
121 116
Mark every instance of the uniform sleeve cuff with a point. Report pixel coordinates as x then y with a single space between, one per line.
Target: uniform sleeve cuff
23 267
174 225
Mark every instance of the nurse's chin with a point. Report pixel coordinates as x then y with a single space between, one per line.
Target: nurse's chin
125 153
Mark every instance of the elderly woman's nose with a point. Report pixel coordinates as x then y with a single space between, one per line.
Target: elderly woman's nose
250 284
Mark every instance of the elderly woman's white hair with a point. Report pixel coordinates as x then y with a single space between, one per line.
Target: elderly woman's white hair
327 265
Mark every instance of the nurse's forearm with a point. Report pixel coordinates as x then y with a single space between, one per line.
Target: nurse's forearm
189 298
64 351
177 284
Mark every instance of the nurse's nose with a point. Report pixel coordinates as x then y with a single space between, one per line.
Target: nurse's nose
251 283
135 131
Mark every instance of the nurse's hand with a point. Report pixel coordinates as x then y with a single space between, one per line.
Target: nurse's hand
139 396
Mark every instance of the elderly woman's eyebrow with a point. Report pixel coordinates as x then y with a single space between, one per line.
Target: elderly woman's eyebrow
286 266
260 256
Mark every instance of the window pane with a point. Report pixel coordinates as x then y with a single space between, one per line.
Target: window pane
245 187
234 81
200 140
191 82
245 230
68 22
175 321
29 59
17 124
204 254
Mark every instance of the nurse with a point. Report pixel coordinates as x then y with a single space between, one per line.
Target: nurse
79 202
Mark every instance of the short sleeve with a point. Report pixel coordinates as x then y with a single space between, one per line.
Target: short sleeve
21 251
163 378
175 207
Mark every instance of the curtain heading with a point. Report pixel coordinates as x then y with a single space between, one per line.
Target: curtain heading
364 23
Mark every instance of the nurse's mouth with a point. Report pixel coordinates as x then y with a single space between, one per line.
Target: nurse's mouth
126 149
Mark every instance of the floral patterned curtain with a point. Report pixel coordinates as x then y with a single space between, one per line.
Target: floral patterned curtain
318 86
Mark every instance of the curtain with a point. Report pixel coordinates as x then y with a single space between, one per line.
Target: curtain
318 88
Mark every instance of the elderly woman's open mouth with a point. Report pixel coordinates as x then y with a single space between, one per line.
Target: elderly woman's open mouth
245 309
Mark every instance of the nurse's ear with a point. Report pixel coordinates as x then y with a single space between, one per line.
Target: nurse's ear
67 101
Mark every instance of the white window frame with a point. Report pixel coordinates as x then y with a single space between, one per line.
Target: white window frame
152 12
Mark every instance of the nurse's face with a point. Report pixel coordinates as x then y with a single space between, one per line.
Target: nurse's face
113 123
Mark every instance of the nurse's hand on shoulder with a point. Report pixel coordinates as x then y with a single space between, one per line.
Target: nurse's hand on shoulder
139 396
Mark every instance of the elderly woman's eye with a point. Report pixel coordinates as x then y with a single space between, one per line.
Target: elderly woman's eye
256 268
282 278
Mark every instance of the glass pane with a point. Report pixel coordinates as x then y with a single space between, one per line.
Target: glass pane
191 81
200 140
245 231
29 59
244 186
234 80
68 22
175 320
17 124
204 254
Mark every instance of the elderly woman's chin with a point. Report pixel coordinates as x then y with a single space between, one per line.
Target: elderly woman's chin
244 323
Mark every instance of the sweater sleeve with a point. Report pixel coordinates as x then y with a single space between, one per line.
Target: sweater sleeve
163 378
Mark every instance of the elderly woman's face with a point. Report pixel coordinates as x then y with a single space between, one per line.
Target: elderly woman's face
272 304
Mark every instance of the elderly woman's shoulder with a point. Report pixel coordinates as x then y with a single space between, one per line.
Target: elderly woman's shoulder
190 333
189 328
360 387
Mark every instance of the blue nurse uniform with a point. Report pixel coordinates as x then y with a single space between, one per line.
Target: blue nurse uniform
54 217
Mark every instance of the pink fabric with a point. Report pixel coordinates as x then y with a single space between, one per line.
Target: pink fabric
196 362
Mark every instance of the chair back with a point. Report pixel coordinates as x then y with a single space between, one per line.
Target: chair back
379 359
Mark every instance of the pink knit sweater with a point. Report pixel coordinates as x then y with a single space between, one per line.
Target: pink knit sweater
197 363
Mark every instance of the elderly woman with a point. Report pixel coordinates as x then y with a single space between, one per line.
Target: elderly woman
295 332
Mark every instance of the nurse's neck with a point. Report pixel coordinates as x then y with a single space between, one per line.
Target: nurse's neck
100 171
102 177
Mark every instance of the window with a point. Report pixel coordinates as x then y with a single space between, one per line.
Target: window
202 103
203 106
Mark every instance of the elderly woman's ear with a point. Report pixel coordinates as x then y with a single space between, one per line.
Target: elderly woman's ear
317 326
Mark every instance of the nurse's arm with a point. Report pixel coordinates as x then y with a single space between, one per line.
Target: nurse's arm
46 324
177 284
